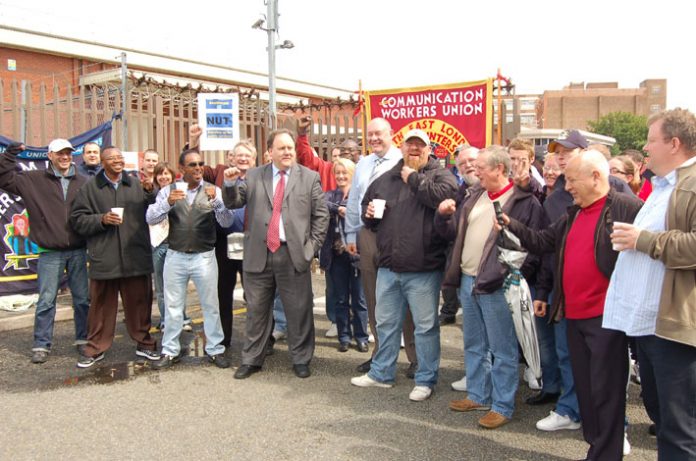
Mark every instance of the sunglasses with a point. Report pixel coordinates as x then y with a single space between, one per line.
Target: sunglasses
195 164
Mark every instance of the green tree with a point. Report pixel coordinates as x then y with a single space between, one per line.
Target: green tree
630 131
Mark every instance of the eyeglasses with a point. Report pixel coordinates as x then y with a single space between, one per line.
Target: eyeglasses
112 158
551 170
195 164
616 171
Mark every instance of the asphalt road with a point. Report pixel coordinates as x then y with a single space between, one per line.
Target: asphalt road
124 410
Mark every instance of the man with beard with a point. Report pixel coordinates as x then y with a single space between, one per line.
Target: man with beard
192 215
411 260
119 255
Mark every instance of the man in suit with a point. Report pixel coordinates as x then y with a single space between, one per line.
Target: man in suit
287 223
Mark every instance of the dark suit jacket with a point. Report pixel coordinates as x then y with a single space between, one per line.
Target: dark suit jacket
305 215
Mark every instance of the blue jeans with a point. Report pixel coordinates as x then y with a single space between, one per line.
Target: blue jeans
179 268
330 299
50 270
349 297
159 254
396 292
490 348
281 322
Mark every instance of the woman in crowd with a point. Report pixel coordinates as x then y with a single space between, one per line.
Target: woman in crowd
623 168
342 268
550 171
164 176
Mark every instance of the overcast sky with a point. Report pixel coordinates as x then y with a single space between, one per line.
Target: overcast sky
541 45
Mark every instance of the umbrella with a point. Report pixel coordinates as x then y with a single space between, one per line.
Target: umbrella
519 298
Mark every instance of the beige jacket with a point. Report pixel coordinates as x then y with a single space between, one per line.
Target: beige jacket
676 248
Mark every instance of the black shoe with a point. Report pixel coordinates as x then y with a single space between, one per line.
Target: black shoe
39 356
362 346
269 348
364 367
411 372
301 371
86 361
343 347
166 361
652 430
542 398
244 371
446 319
218 360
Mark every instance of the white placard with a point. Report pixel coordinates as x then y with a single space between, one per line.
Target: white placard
218 117
131 161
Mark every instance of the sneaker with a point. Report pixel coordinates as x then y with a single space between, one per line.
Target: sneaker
371 338
635 372
278 335
626 446
533 383
366 381
467 405
86 361
556 422
148 354
218 360
166 361
420 393
459 385
39 356
332 332
493 420
187 326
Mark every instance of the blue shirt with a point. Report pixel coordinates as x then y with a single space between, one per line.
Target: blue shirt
635 287
361 181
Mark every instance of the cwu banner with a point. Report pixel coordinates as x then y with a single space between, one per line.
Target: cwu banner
19 253
452 114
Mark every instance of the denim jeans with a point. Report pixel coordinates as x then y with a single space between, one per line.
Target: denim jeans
396 292
50 270
159 254
350 299
179 268
281 322
330 299
490 348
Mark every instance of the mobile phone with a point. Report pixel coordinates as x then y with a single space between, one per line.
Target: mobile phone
498 213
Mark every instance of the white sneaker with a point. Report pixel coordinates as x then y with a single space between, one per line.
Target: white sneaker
556 422
531 380
403 344
366 381
278 335
459 385
420 393
371 339
626 446
332 332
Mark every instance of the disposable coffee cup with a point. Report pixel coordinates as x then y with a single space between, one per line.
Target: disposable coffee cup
181 186
379 205
118 211
615 246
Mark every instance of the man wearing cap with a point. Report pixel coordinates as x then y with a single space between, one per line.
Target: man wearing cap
411 260
48 195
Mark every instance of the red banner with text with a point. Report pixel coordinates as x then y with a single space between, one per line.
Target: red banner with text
453 114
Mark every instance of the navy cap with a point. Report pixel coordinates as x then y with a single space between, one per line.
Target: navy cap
570 140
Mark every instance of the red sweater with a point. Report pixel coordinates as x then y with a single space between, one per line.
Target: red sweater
584 286
305 157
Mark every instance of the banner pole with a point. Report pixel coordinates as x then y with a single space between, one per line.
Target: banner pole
500 111
362 118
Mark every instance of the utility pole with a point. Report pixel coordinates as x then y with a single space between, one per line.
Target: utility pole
125 100
272 18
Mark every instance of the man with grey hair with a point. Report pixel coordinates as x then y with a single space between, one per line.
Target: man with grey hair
651 293
490 347
585 260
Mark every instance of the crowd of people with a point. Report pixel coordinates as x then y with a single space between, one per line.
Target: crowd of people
611 264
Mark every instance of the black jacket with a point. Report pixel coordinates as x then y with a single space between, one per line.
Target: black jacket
114 251
522 205
618 207
406 240
49 211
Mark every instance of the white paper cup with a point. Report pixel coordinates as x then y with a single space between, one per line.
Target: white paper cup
379 205
616 246
118 211
181 186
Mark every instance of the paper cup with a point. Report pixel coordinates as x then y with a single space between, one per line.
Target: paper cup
616 246
118 211
379 205
181 186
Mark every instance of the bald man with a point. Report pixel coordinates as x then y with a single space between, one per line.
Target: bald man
586 259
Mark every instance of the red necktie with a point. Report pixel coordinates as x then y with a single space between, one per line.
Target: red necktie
273 236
